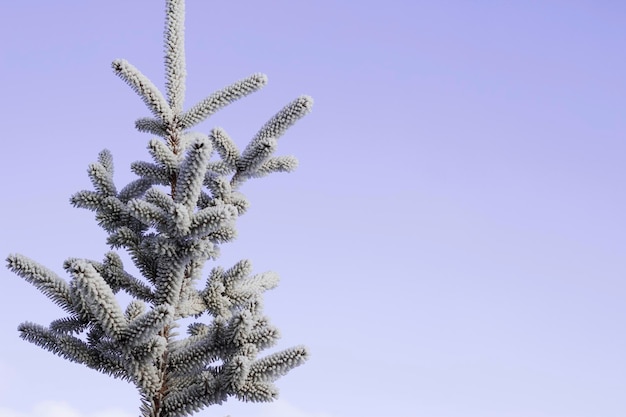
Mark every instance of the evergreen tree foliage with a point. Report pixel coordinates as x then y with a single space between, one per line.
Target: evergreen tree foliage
172 220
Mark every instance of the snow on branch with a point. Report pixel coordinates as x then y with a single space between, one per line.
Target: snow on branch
172 220
148 92
222 98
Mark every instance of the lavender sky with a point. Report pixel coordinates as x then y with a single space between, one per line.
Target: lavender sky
453 243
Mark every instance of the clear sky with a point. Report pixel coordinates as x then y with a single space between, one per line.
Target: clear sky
453 243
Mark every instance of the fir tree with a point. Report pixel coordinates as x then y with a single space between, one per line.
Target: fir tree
171 220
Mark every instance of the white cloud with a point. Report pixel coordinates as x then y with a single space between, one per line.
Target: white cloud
7 375
283 409
59 409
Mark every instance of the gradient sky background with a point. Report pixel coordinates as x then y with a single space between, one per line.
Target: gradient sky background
453 243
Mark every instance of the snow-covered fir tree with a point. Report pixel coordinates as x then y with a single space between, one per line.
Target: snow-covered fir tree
171 220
